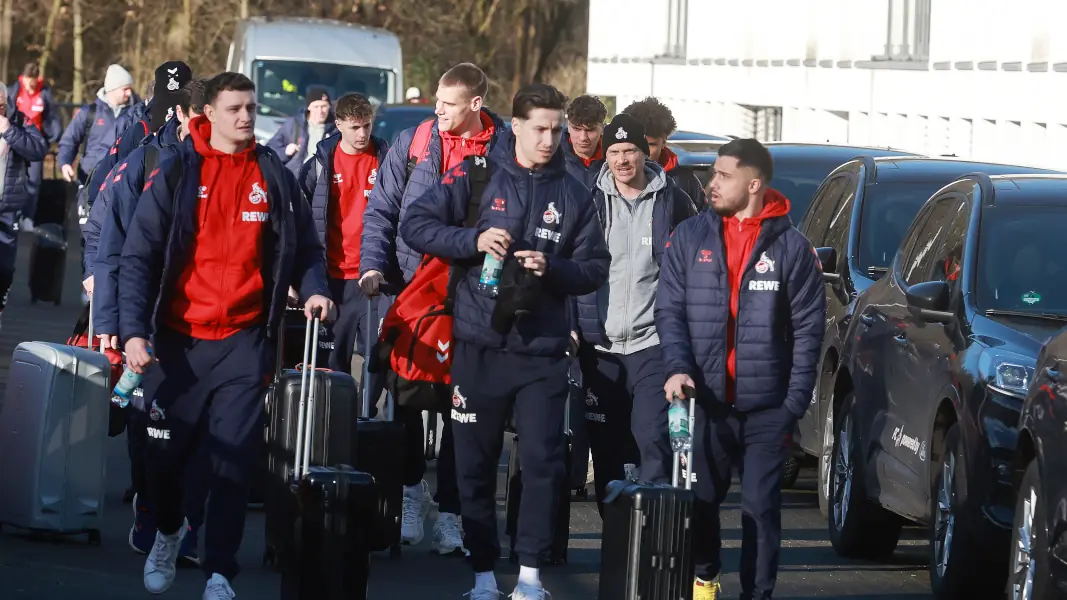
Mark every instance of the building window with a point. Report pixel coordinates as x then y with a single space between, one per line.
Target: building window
762 122
907 30
677 24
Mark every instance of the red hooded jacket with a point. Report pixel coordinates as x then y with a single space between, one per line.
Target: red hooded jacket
220 290
739 238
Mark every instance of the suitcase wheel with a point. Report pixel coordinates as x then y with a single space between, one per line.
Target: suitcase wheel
94 537
395 551
581 494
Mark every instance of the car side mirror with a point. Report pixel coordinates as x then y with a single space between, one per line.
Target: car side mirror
828 259
931 299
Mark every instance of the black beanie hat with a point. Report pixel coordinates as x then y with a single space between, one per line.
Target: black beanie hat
625 129
170 77
316 93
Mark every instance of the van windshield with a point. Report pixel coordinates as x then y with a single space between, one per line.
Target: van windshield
282 85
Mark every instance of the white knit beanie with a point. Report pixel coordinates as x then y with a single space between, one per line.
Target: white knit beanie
116 77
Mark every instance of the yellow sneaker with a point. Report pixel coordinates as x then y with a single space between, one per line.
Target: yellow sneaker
706 590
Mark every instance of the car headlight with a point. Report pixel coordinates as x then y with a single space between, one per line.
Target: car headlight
1007 372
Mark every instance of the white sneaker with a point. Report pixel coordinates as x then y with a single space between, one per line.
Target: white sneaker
413 513
447 534
529 592
218 588
162 561
482 594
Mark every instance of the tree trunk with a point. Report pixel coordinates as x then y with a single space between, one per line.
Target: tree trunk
5 32
187 13
138 44
79 73
49 34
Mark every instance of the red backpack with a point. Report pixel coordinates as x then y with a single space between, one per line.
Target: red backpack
416 333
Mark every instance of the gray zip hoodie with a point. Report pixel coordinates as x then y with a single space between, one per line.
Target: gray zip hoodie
627 301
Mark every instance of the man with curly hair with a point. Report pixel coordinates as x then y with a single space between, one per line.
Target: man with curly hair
581 140
659 124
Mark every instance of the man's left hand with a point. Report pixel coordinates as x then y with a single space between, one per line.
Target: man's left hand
321 302
533 260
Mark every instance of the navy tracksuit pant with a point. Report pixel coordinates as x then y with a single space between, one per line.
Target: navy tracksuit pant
755 443
626 415
207 392
486 384
350 336
197 476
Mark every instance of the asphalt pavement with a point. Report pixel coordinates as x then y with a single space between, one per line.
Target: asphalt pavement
69 569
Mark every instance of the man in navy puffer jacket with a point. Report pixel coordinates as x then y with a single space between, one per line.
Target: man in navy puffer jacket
740 314
545 218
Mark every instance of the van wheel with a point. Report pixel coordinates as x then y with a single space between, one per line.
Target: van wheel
859 528
1028 577
961 562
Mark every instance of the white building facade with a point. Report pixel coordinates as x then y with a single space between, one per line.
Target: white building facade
980 79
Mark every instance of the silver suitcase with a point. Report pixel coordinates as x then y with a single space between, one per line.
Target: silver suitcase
53 437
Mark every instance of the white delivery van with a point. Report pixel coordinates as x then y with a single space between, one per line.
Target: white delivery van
285 56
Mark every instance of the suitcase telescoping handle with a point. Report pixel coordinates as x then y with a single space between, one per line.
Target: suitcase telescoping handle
369 337
305 422
688 454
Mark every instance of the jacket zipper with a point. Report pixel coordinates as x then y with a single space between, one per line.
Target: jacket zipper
740 288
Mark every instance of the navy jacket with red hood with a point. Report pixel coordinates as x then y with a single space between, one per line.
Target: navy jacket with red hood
776 335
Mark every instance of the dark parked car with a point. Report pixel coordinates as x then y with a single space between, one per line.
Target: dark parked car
1037 565
799 169
937 362
856 221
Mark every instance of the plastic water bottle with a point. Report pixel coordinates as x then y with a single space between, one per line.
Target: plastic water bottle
126 385
678 425
489 281
129 382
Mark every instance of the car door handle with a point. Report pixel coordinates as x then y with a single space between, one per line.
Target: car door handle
867 319
901 339
1052 374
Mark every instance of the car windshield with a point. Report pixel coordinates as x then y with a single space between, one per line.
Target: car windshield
1022 265
389 123
798 181
888 210
282 85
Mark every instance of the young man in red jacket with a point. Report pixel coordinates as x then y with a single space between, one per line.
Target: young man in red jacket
219 234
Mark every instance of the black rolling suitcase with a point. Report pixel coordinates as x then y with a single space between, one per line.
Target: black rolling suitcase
579 457
326 549
561 527
647 539
48 262
380 452
293 323
332 424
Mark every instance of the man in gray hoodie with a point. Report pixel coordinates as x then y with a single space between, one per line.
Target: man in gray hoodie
638 206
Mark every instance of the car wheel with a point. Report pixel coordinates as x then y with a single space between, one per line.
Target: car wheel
858 527
826 460
960 563
1027 573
